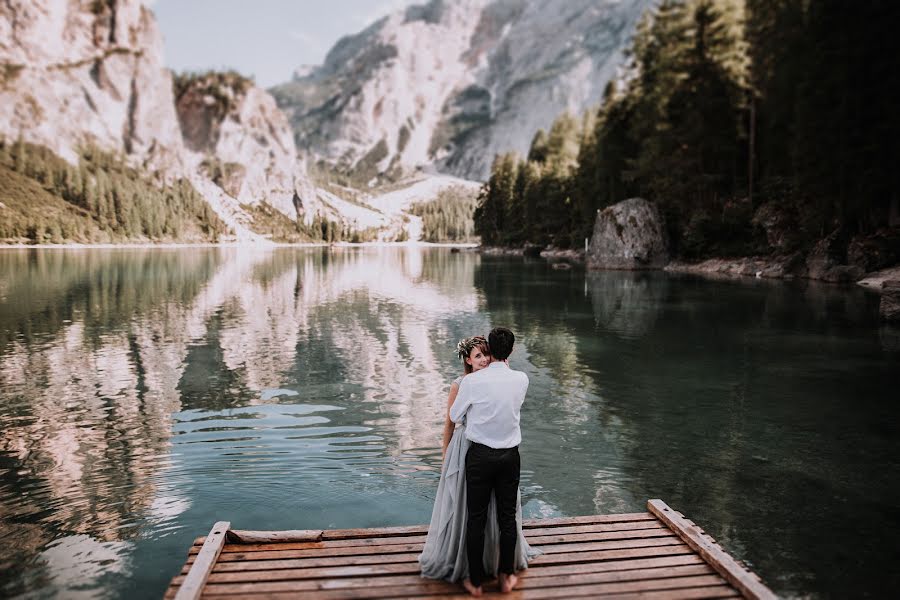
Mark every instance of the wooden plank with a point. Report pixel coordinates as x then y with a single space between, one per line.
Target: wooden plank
331 567
571 538
745 581
230 550
718 591
613 589
239 536
340 534
328 561
192 585
349 543
611 545
260 560
593 590
550 588
372 570
634 566
580 557
333 534
304 563
349 573
374 587
617 518
322 552
533 536
592 527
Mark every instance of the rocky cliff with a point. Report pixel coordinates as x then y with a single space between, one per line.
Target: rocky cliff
453 83
76 73
241 141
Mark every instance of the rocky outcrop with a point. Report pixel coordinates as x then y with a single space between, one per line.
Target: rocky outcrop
74 74
779 225
889 309
877 251
778 267
628 235
243 142
455 82
827 261
91 73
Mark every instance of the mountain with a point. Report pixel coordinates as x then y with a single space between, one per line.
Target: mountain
91 74
451 83
75 72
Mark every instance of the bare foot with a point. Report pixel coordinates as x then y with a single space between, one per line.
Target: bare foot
507 582
475 591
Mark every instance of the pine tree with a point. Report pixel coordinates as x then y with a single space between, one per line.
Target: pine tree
20 155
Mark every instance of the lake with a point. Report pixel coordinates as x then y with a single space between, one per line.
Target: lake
147 393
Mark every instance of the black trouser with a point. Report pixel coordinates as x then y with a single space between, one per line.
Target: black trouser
491 470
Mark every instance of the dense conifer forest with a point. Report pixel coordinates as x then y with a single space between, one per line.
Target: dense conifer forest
102 200
728 113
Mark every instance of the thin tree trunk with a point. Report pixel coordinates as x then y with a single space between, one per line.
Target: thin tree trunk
752 150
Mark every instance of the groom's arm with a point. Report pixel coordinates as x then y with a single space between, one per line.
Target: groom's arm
463 401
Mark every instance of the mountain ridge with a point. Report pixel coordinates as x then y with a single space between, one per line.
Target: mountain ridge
482 85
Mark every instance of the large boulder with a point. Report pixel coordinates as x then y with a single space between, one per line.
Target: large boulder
629 235
827 261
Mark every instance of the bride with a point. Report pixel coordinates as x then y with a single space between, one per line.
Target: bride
444 554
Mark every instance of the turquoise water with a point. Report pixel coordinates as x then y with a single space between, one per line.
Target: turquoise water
145 394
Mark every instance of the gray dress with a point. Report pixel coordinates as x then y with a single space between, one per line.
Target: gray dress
444 554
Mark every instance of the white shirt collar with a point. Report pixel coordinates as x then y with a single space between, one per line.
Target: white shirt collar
498 364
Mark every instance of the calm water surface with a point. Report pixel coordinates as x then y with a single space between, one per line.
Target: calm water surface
145 394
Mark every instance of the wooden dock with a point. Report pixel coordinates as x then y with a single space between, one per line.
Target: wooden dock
657 554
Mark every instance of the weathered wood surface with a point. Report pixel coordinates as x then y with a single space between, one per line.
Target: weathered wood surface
192 586
638 555
744 580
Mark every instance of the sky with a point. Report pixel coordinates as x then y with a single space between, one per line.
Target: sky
265 39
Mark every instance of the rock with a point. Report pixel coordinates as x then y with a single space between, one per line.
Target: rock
93 73
874 281
876 251
779 225
568 255
243 142
889 309
532 250
827 261
76 75
629 235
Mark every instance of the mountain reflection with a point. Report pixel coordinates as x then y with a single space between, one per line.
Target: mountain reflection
99 349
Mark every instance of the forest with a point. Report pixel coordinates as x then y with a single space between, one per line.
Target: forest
729 116
102 200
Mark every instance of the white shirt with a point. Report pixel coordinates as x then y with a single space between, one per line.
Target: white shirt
490 400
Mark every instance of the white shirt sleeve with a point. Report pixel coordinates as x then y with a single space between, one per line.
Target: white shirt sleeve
462 403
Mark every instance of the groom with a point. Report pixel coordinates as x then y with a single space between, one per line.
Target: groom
490 401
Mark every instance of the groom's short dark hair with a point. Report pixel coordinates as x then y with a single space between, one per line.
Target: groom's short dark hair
501 341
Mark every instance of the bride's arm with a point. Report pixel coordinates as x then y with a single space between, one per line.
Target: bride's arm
449 425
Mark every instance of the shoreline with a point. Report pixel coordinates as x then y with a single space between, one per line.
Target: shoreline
733 269
247 245
712 268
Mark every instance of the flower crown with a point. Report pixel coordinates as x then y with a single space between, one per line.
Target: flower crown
465 346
